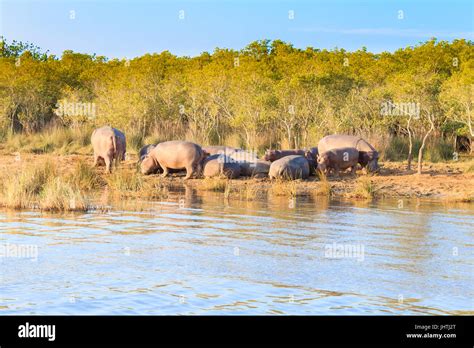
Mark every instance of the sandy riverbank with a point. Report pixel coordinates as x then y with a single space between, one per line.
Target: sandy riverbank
446 181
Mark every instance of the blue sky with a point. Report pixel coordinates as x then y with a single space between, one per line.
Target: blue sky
126 28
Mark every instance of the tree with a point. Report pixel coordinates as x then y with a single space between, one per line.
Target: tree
457 98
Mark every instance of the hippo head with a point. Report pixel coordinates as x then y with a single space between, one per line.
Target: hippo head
148 165
270 155
323 161
371 161
309 155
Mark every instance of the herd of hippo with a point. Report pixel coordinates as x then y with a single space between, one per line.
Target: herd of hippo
333 153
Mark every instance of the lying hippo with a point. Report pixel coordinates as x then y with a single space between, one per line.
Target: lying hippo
289 167
174 155
109 144
273 155
220 165
256 168
368 156
243 156
217 149
144 151
338 159
250 164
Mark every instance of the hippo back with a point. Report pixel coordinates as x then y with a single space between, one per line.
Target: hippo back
218 149
338 141
220 165
290 167
273 155
258 168
102 140
178 154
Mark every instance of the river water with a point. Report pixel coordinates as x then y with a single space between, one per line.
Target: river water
202 254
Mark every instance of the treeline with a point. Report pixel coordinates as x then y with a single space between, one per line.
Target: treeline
269 94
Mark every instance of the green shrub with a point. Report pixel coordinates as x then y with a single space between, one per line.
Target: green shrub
125 181
58 195
135 141
397 149
85 177
439 151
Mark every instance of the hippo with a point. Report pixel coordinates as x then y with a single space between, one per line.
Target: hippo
313 151
144 151
218 165
109 144
289 167
218 149
250 164
174 155
258 168
338 159
273 155
312 162
368 156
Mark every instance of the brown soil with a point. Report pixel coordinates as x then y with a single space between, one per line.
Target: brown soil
447 181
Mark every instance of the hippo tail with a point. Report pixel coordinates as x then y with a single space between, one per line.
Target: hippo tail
114 142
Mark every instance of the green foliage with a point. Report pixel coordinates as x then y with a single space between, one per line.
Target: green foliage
135 141
436 151
440 151
85 177
266 94
397 149
57 140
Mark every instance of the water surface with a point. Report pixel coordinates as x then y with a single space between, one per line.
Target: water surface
201 254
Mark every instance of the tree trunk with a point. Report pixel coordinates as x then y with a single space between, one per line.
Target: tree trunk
420 152
410 145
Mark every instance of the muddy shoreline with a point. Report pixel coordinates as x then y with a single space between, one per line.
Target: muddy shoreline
440 181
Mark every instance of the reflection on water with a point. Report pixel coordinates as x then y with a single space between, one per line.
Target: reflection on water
202 254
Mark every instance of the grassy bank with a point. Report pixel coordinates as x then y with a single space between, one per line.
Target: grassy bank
67 182
41 187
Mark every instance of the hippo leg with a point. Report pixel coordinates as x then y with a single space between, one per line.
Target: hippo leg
198 169
165 172
96 160
189 172
108 162
353 170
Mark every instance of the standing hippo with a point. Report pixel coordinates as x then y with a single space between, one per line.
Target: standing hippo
368 156
289 167
109 144
218 165
273 155
338 159
312 162
174 155
313 151
144 151
218 149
